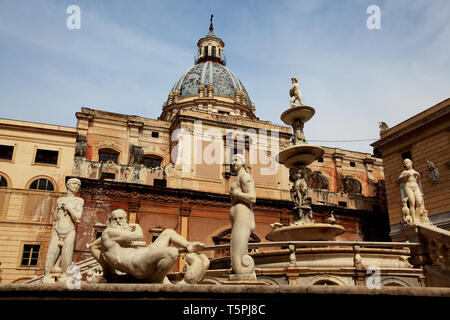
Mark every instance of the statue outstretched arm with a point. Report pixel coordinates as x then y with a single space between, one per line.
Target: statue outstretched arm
132 233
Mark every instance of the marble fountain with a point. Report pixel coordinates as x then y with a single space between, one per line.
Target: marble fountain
300 254
306 253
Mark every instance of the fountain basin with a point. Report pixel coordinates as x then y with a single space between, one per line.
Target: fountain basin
298 155
303 113
303 232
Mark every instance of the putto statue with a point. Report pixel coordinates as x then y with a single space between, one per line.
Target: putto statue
119 249
243 197
295 93
298 136
299 190
69 210
413 206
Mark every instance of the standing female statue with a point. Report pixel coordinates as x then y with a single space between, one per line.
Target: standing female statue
410 177
243 196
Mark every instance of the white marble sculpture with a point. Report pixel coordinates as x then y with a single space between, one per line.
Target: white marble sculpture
298 136
413 206
299 190
116 250
69 210
243 197
295 93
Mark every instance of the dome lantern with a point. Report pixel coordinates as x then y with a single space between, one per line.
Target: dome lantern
210 47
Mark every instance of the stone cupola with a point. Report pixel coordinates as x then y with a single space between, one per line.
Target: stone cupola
210 47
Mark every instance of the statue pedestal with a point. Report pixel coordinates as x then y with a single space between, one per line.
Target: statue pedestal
306 232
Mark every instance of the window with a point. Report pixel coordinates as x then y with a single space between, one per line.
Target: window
205 51
352 164
41 184
160 183
6 152
407 155
213 51
108 175
155 134
105 155
320 159
325 283
342 204
3 182
155 232
152 162
224 237
30 255
46 156
223 113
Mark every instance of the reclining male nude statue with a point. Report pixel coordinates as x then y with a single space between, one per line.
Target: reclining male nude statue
114 250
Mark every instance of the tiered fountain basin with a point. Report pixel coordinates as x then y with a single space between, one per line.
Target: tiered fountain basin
316 231
299 155
303 113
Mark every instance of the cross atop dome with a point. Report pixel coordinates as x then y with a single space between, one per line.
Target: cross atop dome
210 48
211 28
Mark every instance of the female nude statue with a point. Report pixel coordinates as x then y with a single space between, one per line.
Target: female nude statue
243 196
409 177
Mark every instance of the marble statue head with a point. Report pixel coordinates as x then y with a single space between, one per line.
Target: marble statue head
407 164
118 218
73 184
238 162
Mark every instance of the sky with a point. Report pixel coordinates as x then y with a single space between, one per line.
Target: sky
127 55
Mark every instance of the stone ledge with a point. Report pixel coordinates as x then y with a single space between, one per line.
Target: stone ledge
150 291
122 301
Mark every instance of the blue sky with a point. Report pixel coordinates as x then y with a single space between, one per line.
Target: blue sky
128 54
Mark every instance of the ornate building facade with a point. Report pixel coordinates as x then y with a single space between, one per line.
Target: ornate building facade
35 159
424 139
174 171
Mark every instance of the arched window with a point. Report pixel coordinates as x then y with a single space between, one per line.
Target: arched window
205 51
151 161
224 237
392 284
42 184
3 182
213 51
325 283
107 154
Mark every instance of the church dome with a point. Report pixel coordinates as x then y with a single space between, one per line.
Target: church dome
209 86
224 81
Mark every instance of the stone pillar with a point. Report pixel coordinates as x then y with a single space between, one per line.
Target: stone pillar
183 222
